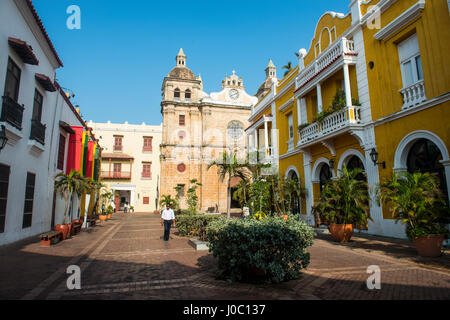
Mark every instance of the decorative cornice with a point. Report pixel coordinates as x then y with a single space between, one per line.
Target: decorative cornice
401 21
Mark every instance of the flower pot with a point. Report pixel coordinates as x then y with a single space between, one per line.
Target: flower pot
64 228
103 217
341 232
430 245
109 215
285 216
70 233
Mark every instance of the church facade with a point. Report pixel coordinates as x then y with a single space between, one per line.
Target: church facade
197 128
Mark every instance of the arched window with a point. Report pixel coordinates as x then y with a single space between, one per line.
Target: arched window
324 175
187 94
425 156
177 93
356 163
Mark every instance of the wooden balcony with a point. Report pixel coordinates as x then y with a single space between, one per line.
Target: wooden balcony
12 112
116 175
38 131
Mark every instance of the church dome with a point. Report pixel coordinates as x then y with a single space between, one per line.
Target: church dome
182 73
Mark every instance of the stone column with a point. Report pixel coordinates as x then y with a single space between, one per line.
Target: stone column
319 98
348 90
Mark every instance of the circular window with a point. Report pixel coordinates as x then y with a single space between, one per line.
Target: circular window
181 167
235 130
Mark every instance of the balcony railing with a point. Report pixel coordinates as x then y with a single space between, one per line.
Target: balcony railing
326 58
38 131
12 112
115 175
413 95
332 123
118 148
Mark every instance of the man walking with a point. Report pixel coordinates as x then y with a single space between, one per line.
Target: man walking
167 219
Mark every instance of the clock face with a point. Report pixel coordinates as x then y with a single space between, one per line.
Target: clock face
234 94
235 130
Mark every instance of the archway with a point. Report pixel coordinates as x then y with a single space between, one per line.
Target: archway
355 163
296 205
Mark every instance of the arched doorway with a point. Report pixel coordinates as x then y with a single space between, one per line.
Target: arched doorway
355 163
324 175
425 156
292 175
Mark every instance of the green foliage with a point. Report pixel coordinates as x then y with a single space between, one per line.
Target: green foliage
345 200
230 167
288 68
320 117
260 195
192 198
167 201
285 191
339 101
276 247
303 126
416 200
242 193
70 185
194 225
176 202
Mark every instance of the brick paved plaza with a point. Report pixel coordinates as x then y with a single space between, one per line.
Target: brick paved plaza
125 258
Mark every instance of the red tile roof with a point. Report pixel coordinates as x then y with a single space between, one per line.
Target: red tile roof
44 32
63 94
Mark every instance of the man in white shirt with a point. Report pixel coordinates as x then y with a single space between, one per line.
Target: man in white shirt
167 219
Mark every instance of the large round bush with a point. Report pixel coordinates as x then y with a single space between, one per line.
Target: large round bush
272 246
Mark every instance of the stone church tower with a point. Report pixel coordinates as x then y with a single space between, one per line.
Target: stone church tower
197 128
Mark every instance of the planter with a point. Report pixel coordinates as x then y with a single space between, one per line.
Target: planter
341 232
64 228
103 217
70 233
109 215
285 216
430 245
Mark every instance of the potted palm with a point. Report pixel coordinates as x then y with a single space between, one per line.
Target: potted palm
68 185
416 200
344 204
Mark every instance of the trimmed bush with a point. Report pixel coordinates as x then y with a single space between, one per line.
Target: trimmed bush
194 225
273 247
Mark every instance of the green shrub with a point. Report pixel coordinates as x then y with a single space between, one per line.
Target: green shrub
194 225
272 245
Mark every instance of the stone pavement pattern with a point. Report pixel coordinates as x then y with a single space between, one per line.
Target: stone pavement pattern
125 258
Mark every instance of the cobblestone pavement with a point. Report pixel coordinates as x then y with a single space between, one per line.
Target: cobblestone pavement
125 258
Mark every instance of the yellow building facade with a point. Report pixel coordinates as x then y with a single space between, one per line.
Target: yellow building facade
387 61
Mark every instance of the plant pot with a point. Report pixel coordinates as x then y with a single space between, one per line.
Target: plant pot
70 233
430 245
341 232
103 217
64 228
109 216
285 216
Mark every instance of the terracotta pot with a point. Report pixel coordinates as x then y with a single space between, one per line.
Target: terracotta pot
102 217
109 216
70 233
64 228
341 232
285 216
430 245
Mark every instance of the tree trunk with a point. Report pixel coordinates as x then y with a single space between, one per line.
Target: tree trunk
229 199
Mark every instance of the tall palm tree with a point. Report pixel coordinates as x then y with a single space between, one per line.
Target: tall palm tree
69 185
230 167
288 68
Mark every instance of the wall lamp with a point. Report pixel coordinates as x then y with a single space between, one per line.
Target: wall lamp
374 157
3 138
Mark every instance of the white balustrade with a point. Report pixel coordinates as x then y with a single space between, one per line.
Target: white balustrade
413 95
332 123
325 59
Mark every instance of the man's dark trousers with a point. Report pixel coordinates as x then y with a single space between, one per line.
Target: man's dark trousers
167 226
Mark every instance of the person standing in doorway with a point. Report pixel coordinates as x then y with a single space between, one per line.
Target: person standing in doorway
167 220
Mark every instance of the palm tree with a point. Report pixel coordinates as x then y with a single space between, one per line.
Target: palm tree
167 201
230 167
346 200
242 192
288 68
416 200
69 185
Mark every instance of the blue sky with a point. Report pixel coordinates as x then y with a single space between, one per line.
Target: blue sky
117 62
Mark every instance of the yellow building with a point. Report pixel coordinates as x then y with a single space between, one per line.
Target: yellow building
387 61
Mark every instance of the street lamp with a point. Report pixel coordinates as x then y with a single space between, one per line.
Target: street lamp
374 157
3 138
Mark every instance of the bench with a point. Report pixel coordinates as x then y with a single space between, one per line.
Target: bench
91 221
49 238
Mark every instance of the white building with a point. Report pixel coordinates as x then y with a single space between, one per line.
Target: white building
37 119
130 163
